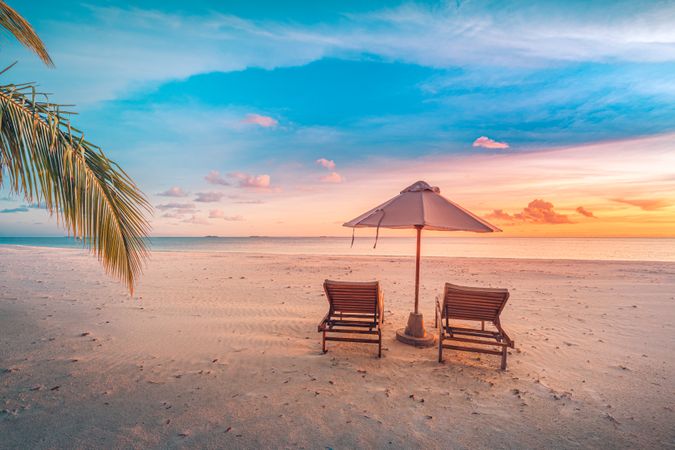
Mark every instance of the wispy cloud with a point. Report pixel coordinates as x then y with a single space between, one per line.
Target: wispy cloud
216 214
645 204
176 210
263 121
176 214
214 177
175 191
242 200
332 177
249 202
584 212
220 214
197 220
446 35
486 142
166 206
209 197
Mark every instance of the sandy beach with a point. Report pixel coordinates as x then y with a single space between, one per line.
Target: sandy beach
221 350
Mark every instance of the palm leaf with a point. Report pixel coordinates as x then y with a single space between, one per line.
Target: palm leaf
23 32
45 159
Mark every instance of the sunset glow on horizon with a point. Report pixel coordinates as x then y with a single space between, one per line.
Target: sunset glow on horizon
543 120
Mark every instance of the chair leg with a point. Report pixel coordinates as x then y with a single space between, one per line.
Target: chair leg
440 347
323 342
503 358
379 344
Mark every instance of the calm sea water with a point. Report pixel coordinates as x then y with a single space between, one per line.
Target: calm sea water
629 249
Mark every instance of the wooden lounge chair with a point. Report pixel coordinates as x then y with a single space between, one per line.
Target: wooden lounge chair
355 308
472 304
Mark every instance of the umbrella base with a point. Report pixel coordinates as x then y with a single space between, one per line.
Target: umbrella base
414 333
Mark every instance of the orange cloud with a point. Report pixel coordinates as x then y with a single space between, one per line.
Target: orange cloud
584 212
537 211
486 142
263 121
540 211
499 214
644 204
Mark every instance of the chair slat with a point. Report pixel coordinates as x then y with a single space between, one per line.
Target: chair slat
350 300
473 304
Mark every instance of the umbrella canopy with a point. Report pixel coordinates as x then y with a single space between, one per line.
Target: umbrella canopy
420 206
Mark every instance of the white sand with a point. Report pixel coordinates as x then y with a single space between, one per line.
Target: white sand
221 350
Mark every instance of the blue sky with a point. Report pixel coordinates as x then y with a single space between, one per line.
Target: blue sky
259 91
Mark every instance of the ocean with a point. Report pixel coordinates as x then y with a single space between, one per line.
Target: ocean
614 249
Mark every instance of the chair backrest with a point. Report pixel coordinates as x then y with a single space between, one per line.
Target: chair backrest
473 303
352 297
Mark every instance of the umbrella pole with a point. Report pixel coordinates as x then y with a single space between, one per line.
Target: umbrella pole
414 333
417 269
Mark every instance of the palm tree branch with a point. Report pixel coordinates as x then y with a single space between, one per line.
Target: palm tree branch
44 160
23 32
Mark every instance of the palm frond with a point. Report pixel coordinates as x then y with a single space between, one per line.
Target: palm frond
23 32
45 159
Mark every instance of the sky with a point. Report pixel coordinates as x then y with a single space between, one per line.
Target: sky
289 118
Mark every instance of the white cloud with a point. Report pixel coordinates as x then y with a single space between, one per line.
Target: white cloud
327 163
486 142
134 47
262 121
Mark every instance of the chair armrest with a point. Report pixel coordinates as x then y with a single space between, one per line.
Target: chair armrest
322 324
380 306
509 341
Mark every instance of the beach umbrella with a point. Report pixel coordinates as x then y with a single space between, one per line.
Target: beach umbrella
420 206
